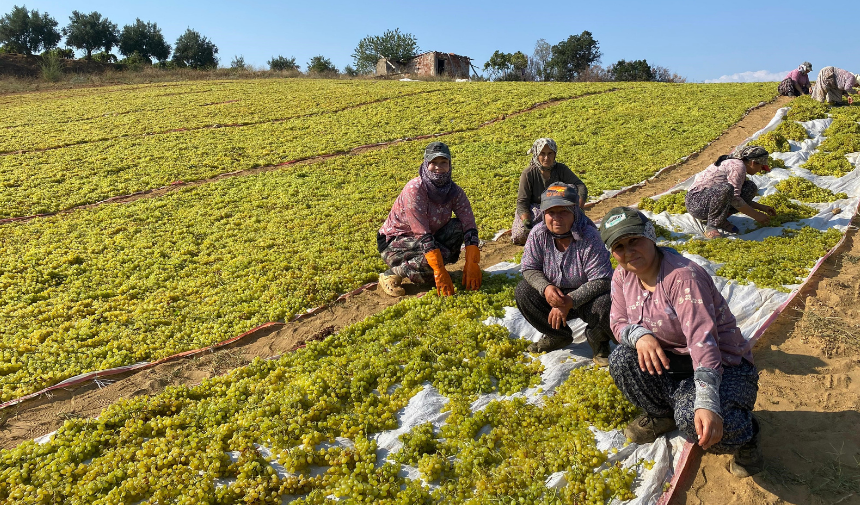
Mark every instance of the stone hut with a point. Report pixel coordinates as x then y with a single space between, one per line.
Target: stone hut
429 64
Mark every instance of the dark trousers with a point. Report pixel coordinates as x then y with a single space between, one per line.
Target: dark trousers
662 396
407 253
714 204
594 312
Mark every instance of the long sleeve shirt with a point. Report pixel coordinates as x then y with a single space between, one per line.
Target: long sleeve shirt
800 78
533 184
845 80
414 215
586 259
687 315
732 171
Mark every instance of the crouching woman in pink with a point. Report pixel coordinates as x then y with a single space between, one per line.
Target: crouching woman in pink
420 237
682 358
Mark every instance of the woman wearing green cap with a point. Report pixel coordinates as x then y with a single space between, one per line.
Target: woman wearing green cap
723 189
682 358
566 273
419 237
543 170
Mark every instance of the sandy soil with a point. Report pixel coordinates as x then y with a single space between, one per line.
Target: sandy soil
809 397
808 401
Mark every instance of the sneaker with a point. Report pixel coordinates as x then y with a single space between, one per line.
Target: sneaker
645 429
390 283
749 459
548 343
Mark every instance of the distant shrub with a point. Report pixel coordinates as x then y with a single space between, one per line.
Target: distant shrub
51 68
280 64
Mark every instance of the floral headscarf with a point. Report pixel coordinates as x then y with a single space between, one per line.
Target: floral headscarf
538 146
756 154
805 67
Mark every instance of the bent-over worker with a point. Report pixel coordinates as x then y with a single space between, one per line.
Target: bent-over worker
796 83
723 189
834 83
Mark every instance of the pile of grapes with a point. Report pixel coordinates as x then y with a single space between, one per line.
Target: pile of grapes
769 263
786 210
804 108
805 190
672 203
174 447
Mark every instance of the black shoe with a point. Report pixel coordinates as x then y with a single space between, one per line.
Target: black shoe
749 459
548 343
645 429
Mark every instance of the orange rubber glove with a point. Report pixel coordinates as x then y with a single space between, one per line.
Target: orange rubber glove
471 271
444 286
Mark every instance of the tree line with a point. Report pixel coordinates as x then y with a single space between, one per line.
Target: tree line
575 59
29 31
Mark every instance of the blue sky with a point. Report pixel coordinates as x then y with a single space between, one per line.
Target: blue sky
729 40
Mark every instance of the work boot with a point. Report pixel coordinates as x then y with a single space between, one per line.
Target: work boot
645 429
749 459
548 343
599 343
390 283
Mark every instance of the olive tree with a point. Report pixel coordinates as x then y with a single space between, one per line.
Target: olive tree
194 50
144 39
90 32
28 32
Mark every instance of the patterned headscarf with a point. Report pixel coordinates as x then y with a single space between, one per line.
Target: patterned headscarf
439 187
538 146
756 154
805 67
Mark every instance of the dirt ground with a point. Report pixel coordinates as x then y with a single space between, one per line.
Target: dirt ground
809 396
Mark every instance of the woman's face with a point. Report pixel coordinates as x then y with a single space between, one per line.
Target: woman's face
546 157
439 165
558 220
634 254
755 167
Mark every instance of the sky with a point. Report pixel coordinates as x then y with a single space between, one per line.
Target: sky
728 41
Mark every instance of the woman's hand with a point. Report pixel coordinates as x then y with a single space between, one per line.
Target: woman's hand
761 217
557 318
767 209
556 297
709 428
652 359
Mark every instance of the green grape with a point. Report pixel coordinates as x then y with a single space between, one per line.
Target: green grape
841 143
804 108
805 190
770 263
792 130
672 203
786 210
841 125
773 142
775 162
824 163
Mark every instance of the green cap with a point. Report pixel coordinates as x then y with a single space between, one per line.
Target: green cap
623 222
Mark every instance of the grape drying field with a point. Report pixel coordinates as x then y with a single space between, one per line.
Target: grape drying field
113 284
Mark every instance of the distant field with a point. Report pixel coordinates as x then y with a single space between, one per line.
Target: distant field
117 284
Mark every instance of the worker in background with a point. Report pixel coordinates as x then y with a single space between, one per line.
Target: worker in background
420 237
543 170
796 83
834 83
723 189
